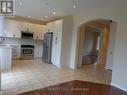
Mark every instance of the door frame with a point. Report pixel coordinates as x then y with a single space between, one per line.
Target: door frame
80 43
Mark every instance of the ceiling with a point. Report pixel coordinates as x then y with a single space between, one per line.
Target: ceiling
39 9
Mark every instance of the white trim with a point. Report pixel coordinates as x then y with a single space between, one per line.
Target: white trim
56 65
118 86
72 67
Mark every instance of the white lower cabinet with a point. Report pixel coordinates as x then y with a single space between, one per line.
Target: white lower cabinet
5 61
1 27
16 51
15 54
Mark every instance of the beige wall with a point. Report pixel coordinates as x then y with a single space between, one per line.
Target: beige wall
90 43
104 38
117 14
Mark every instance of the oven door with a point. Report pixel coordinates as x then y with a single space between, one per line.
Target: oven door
27 51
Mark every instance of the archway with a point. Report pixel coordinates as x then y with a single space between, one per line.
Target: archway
107 30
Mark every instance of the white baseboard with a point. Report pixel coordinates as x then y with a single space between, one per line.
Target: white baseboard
56 66
72 67
118 86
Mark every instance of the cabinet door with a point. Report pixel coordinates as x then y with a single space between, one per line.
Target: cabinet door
38 32
12 28
1 27
50 27
44 30
24 26
29 27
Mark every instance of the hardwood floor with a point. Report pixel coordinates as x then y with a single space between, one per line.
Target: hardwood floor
77 88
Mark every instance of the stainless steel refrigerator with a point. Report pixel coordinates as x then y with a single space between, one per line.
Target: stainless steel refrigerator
47 47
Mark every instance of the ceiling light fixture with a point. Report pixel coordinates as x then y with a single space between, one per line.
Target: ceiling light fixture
74 6
75 3
20 3
46 17
54 13
29 16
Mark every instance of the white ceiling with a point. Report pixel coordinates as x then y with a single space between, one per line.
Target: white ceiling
38 9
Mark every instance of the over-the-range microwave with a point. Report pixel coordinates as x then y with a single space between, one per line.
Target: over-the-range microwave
27 35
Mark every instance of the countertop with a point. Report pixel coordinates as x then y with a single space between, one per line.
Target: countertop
5 47
11 46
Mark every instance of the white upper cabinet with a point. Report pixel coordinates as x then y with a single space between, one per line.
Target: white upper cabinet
1 27
44 29
38 33
12 28
49 27
29 27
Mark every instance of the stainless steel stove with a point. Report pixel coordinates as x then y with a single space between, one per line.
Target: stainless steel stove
27 51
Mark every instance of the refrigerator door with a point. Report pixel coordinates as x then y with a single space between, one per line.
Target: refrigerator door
47 47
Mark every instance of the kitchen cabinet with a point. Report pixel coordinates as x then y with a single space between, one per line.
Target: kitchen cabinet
44 29
37 29
6 62
49 27
29 27
12 28
38 33
1 27
16 50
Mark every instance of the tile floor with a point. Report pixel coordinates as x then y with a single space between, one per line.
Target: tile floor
29 75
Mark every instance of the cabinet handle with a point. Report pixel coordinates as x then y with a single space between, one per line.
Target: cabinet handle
110 52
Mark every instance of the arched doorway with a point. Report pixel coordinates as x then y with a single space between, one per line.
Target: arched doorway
99 49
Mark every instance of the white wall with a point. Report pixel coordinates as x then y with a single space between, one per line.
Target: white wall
116 13
56 44
62 30
119 78
66 41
